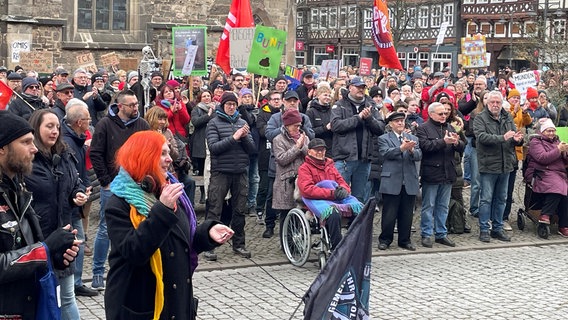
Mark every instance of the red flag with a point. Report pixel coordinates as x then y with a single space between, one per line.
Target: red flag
381 33
5 95
240 16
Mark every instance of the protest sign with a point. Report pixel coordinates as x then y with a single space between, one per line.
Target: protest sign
266 52
474 52
365 66
189 46
86 61
329 68
240 43
110 59
38 61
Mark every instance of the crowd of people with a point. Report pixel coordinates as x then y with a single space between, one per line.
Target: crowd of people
262 146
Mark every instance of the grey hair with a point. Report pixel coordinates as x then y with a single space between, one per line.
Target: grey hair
496 94
483 78
73 110
433 106
80 70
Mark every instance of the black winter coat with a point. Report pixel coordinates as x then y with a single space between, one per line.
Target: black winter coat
438 161
110 134
18 275
95 103
199 118
77 147
23 109
131 285
264 145
227 154
320 116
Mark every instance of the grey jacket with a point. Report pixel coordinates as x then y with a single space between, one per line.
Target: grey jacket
345 122
494 154
398 167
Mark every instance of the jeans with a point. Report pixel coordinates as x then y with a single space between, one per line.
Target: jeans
493 198
467 159
475 184
510 189
254 180
69 309
435 206
356 173
78 224
102 243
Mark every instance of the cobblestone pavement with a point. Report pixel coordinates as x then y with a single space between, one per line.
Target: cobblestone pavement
506 283
248 288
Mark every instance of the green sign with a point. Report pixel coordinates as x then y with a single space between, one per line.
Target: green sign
189 46
266 52
562 133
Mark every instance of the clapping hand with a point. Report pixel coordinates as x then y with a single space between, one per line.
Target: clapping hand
300 141
241 132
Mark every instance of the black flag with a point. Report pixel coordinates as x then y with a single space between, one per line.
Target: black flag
341 290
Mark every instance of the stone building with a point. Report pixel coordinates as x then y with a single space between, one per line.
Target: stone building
62 32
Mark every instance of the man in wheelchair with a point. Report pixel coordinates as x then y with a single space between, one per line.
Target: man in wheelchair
324 191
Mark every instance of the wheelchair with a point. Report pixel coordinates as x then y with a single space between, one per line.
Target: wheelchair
301 232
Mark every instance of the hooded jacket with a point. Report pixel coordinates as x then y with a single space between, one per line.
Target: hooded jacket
23 105
110 134
546 166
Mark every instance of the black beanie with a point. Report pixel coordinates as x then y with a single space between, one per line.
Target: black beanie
13 127
228 96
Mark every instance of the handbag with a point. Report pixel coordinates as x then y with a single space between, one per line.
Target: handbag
48 307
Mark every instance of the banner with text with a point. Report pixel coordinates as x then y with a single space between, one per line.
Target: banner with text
329 68
189 46
365 65
38 61
523 81
474 52
266 53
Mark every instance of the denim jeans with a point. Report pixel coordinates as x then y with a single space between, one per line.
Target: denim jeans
254 180
78 224
69 309
467 160
356 173
102 243
435 206
475 184
493 198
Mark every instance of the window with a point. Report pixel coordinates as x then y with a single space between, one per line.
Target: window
319 55
469 1
559 29
500 29
315 19
441 60
350 56
530 28
323 18
423 17
368 18
411 18
436 16
401 58
392 18
332 17
482 1
102 15
300 20
449 14
352 18
485 28
300 58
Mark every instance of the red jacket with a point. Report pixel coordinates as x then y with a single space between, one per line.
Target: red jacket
177 120
313 171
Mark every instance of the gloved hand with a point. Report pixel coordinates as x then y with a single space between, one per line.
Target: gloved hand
57 243
340 193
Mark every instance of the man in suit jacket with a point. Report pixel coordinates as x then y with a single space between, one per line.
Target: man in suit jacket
399 182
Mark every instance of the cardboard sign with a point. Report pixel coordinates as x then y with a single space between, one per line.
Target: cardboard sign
87 62
110 59
38 61
365 66
240 43
329 68
129 63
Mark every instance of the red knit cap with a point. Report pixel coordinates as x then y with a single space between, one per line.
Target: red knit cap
532 93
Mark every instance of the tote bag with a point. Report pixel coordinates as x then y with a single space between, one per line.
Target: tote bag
47 304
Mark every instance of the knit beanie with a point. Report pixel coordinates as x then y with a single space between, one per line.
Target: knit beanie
532 93
291 116
546 124
245 91
29 81
513 93
172 83
97 76
131 75
228 96
12 128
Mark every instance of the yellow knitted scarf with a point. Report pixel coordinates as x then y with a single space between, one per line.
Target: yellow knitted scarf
155 264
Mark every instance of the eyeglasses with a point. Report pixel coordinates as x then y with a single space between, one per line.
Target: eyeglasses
239 80
276 99
66 92
130 105
33 87
442 114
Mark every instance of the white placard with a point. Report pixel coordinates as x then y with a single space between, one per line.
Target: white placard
240 43
18 46
442 33
523 81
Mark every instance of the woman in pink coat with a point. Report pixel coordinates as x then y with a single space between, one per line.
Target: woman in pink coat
546 172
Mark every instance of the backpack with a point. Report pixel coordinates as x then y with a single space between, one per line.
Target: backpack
456 217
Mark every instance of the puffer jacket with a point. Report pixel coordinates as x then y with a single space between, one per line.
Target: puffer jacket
313 171
438 162
546 166
227 154
320 116
23 260
288 158
345 123
23 106
494 154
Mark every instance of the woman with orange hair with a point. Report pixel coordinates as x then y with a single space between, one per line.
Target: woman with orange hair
154 235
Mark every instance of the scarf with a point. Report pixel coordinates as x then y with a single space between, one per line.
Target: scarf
231 119
141 202
324 208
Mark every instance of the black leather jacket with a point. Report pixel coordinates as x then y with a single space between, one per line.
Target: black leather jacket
23 259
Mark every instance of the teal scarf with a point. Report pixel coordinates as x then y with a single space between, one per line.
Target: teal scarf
123 186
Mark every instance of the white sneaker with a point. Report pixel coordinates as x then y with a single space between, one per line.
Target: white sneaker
260 218
507 226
